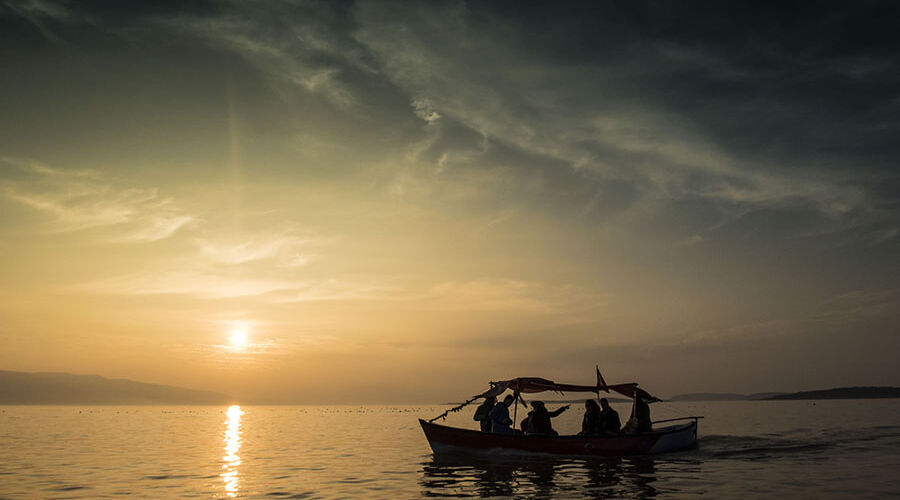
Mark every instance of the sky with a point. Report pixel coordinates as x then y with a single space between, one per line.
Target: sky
397 202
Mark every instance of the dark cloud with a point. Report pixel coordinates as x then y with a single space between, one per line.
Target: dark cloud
749 106
781 84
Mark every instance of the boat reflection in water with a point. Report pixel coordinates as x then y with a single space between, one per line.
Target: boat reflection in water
538 476
232 446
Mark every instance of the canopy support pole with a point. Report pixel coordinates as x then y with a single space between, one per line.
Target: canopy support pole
516 408
516 412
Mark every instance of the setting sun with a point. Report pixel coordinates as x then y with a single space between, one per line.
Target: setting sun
238 339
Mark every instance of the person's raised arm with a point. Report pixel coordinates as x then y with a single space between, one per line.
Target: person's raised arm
558 411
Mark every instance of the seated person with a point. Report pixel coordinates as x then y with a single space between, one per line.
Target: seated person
608 420
500 420
590 423
642 413
539 421
640 417
523 425
483 413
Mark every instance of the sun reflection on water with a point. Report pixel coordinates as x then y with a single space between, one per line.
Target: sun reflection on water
232 446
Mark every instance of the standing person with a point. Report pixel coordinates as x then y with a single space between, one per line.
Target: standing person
539 423
590 423
483 413
608 421
500 420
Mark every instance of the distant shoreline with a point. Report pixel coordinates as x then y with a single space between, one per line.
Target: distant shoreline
865 392
65 389
52 388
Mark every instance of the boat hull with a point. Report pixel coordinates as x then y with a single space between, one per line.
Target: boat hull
444 439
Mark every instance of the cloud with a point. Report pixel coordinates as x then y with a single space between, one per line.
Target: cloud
212 285
609 116
742 121
340 290
513 296
425 110
285 246
203 285
39 12
290 44
570 302
81 199
862 304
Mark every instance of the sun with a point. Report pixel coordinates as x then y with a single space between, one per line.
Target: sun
238 339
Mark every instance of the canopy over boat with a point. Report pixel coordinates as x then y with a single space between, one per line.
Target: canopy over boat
527 385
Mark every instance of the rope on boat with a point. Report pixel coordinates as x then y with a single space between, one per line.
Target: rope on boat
457 408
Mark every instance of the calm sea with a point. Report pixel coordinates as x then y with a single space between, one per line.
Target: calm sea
790 449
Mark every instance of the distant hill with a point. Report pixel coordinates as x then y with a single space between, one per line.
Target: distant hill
708 396
724 396
764 395
844 393
66 388
838 393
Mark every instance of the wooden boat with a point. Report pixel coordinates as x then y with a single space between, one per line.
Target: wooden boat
675 437
444 439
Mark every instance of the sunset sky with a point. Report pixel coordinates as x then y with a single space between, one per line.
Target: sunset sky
398 202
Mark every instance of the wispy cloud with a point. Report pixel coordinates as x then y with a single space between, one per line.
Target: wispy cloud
604 129
212 285
200 284
515 296
39 12
82 199
285 246
340 290
862 304
294 53
869 310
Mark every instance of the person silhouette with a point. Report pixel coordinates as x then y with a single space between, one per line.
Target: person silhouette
539 422
500 420
590 423
483 413
609 422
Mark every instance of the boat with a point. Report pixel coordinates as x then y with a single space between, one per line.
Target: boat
445 439
680 433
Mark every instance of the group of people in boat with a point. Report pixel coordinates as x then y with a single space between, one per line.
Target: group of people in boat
599 419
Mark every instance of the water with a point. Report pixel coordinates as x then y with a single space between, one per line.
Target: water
799 449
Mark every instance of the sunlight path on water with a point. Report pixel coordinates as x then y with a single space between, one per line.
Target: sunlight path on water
232 446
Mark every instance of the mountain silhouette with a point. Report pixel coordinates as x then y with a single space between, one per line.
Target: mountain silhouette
67 388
